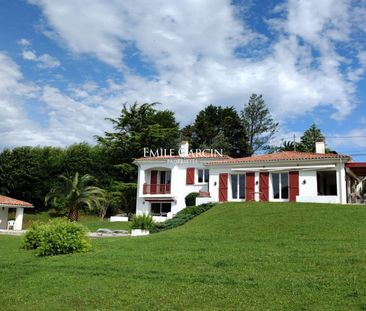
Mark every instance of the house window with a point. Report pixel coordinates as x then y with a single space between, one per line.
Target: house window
238 186
327 182
280 186
165 177
160 209
203 176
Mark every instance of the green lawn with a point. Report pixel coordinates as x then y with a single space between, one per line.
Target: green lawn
235 256
92 222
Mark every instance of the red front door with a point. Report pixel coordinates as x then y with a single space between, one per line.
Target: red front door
249 195
294 185
223 187
264 186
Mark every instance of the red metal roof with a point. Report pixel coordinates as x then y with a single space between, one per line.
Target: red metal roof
282 156
358 168
4 200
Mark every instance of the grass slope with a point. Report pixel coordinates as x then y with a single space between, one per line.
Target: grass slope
92 222
248 256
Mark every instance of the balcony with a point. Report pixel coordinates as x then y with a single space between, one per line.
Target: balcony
156 189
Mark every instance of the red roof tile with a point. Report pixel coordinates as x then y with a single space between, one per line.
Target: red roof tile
282 156
9 201
203 155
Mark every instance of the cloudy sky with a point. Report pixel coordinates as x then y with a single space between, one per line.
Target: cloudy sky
66 65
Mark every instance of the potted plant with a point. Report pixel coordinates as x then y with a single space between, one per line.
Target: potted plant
141 224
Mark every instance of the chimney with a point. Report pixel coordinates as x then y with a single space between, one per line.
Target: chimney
320 146
184 148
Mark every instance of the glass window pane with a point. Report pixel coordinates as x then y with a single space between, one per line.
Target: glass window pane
207 175
234 186
155 208
200 175
168 177
241 186
165 208
162 177
284 186
276 186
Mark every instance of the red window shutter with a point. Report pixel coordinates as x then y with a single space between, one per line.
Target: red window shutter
249 191
190 176
223 187
153 182
294 185
264 186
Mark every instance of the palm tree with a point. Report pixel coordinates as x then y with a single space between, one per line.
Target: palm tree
288 146
76 193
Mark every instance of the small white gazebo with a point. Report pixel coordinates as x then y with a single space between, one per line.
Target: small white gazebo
5 204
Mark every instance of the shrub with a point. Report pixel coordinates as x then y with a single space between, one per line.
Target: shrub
191 198
182 217
32 239
144 222
57 237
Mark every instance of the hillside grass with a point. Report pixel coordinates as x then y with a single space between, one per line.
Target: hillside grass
92 222
236 256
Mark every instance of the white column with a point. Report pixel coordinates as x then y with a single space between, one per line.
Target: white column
341 184
19 218
3 217
256 187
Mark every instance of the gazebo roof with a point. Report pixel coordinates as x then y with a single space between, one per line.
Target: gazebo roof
10 202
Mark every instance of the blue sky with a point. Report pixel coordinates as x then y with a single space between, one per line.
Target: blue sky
66 65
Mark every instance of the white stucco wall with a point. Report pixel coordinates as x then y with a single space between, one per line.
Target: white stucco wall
307 190
179 189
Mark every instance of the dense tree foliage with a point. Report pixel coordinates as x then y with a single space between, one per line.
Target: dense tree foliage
141 126
217 127
28 173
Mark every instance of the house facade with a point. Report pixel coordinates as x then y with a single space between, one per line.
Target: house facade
164 181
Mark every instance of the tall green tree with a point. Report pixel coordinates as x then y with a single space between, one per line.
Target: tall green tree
138 127
76 193
217 127
309 138
258 123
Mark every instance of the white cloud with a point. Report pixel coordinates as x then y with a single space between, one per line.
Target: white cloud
191 45
29 55
24 42
351 140
69 121
44 61
15 125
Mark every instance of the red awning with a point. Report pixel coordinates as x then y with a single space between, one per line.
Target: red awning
358 168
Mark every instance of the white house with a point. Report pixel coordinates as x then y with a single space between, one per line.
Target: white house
165 180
